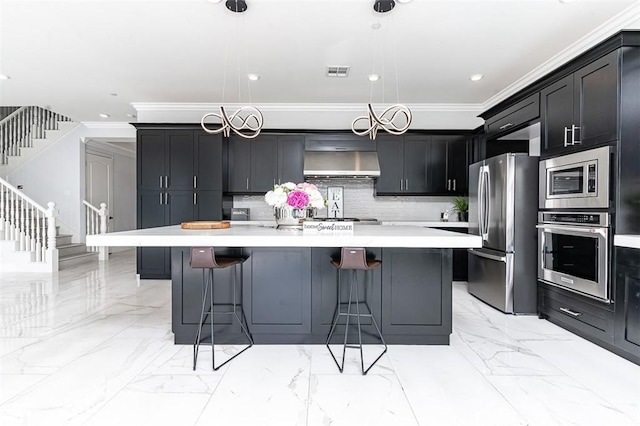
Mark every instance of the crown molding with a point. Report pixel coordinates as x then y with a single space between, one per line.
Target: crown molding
619 22
316 108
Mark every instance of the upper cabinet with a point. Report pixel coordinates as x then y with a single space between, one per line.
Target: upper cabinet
513 117
420 164
178 160
581 109
255 165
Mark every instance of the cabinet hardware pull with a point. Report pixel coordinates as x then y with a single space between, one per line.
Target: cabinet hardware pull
406 184
505 126
454 184
195 199
161 198
247 183
566 142
195 182
573 135
274 181
570 312
166 181
166 198
160 181
401 184
448 184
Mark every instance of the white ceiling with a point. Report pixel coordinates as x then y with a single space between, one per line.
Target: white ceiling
74 56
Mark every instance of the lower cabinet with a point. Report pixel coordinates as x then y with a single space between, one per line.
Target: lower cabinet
290 295
615 327
627 336
587 317
277 284
460 258
416 291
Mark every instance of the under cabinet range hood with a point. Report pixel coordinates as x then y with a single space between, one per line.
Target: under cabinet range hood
341 164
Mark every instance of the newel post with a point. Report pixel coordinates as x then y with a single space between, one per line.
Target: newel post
52 252
103 252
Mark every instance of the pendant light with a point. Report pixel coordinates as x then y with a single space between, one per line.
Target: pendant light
395 119
247 121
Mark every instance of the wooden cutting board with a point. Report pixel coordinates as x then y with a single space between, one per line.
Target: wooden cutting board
205 224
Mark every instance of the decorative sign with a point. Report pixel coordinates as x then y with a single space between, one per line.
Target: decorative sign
335 202
327 227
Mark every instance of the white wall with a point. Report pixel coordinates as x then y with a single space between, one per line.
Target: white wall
123 209
57 174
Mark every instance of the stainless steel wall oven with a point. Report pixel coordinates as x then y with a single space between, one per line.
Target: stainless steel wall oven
574 252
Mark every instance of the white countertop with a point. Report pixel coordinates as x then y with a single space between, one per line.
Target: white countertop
263 236
630 241
430 224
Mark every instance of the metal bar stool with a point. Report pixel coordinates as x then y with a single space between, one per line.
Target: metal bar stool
354 259
204 257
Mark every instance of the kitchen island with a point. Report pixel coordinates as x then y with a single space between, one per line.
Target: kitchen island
289 287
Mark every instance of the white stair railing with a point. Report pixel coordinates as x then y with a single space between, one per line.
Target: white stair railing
96 223
19 128
31 226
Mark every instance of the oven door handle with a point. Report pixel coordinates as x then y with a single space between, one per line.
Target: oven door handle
579 229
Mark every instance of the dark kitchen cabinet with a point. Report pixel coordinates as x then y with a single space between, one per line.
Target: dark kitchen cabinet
422 164
416 291
278 290
447 165
255 165
627 335
581 109
179 173
391 158
584 316
460 258
513 117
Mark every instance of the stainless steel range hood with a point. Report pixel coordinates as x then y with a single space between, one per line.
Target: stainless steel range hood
334 164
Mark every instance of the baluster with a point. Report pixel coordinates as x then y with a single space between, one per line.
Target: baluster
32 242
21 212
39 222
51 229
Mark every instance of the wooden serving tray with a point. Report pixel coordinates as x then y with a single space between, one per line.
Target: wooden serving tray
205 224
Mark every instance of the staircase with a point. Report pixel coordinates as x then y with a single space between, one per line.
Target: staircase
26 131
71 254
29 237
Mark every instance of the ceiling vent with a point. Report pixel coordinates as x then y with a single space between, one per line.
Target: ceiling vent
340 71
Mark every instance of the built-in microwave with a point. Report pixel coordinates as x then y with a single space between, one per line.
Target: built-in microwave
579 180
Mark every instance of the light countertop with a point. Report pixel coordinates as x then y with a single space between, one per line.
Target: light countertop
630 241
430 224
267 236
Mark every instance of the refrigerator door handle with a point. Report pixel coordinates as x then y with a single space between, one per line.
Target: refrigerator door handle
502 259
487 202
480 201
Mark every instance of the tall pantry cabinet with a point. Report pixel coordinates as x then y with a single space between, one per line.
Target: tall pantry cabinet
179 178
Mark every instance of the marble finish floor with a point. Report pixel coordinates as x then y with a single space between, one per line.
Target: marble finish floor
91 345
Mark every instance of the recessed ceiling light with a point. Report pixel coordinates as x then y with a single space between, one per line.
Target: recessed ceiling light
4 77
476 77
403 1
565 1
113 94
214 1
131 115
376 25
103 115
374 77
253 77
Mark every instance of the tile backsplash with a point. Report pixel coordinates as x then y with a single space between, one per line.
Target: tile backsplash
359 201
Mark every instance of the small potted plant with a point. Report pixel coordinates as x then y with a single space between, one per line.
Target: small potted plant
461 206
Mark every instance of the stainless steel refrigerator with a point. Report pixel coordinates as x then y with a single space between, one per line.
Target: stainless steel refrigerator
503 206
